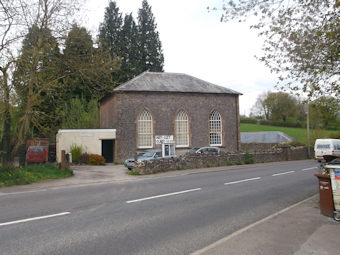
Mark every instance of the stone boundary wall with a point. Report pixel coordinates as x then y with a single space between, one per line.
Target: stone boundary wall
253 147
193 160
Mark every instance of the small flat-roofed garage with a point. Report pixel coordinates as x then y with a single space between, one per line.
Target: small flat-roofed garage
93 141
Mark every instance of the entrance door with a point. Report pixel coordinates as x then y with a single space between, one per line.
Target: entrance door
108 150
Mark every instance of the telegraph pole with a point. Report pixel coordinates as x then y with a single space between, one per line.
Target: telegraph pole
308 137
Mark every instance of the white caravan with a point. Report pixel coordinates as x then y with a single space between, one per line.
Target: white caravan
326 147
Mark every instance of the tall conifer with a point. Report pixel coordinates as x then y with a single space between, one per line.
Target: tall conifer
150 46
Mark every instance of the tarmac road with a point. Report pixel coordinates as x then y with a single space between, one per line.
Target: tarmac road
169 214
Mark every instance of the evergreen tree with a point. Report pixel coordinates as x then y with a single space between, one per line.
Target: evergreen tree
87 70
130 53
137 47
79 113
110 30
151 54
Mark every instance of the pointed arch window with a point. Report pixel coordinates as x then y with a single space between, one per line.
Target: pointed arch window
215 127
145 130
182 129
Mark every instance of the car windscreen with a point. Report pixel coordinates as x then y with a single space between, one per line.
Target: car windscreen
36 149
323 146
148 154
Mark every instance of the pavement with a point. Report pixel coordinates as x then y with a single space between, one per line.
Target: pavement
299 229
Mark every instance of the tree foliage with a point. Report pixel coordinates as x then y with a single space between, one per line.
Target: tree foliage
301 41
79 113
150 46
87 70
35 75
110 29
280 107
9 36
325 112
130 54
137 46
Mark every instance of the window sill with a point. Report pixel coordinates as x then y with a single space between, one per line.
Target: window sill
183 147
145 147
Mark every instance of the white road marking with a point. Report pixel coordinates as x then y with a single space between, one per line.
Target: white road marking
306 169
163 195
245 180
283 173
35 218
21 192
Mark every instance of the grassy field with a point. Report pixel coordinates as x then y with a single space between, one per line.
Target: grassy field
299 134
32 173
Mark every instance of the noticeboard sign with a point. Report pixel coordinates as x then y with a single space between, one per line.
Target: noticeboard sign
161 139
335 180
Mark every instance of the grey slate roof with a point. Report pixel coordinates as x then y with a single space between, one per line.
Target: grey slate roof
265 137
172 82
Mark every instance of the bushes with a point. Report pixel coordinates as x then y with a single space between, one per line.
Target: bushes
76 152
95 159
32 173
248 158
294 124
248 120
84 158
296 143
335 135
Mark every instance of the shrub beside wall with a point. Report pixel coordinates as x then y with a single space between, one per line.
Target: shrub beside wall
95 159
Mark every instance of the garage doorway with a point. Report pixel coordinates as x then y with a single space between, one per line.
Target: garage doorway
108 150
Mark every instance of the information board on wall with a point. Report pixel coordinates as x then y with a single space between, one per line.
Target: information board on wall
160 139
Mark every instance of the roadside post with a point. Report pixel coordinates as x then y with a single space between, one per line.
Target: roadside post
326 195
63 160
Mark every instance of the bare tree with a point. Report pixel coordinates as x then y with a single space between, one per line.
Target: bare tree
260 109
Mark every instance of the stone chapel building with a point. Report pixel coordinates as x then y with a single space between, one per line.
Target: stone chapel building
197 113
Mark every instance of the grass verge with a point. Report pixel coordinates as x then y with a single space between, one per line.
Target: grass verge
30 174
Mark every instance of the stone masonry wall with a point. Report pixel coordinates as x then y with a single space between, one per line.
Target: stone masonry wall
193 160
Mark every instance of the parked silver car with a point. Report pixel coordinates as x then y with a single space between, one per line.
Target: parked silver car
147 155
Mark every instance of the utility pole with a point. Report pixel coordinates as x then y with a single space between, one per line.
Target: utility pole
308 137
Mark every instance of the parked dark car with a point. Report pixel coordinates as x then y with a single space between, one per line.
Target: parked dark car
147 155
36 154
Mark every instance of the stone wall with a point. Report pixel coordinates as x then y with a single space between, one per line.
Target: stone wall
252 147
193 160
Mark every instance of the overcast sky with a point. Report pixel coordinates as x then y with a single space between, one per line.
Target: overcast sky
195 42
